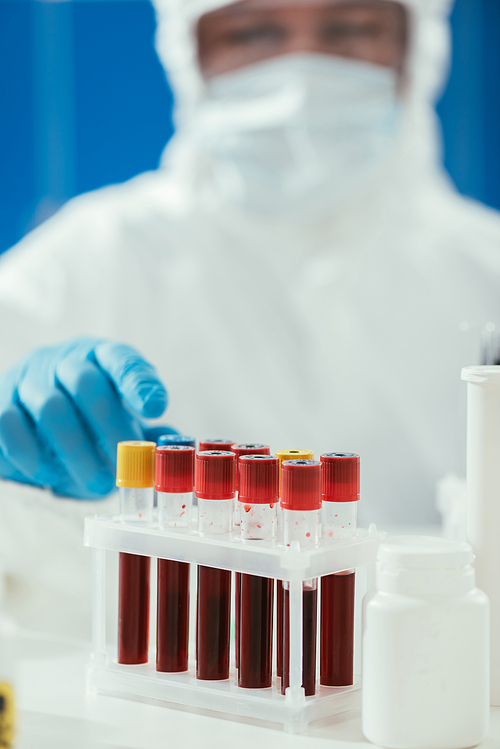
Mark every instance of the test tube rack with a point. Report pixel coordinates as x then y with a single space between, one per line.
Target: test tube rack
293 711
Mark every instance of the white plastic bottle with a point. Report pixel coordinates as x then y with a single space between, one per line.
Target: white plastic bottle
425 648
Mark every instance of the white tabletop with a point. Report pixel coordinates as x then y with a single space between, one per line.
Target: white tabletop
55 711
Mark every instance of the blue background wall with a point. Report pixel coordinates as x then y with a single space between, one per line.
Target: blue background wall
83 102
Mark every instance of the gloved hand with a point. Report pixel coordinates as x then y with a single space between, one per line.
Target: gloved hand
63 409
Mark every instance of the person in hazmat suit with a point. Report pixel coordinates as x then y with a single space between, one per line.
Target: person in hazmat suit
299 271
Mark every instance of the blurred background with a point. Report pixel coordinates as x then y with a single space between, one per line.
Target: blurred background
84 102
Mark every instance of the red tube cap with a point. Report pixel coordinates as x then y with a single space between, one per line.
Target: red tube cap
215 474
248 448
340 477
174 469
259 479
301 485
215 445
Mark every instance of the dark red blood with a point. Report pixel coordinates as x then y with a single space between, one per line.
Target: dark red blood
237 576
256 632
212 623
337 630
279 628
172 633
309 623
133 608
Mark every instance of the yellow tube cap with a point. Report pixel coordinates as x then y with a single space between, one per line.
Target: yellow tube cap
293 455
135 464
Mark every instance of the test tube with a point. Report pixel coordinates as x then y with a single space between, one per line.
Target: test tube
216 444
239 450
135 478
283 455
258 497
174 485
340 497
176 439
215 488
301 503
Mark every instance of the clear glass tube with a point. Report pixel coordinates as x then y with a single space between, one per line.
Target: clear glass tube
338 521
254 603
302 527
279 524
174 509
136 504
172 630
258 522
279 598
215 516
213 604
236 519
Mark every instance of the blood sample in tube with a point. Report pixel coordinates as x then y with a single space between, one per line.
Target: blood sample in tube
301 502
340 496
174 485
279 628
337 630
247 448
258 496
256 632
215 490
283 455
133 617
135 480
213 623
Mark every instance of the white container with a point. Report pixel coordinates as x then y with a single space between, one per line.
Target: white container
483 494
425 648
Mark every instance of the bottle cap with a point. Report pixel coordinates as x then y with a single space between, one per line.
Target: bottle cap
176 439
135 464
209 444
301 485
258 479
248 448
340 477
215 474
424 553
417 566
293 455
174 469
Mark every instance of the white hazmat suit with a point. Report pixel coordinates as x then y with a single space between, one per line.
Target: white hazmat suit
341 332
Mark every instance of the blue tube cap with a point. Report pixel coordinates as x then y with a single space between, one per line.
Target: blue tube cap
176 439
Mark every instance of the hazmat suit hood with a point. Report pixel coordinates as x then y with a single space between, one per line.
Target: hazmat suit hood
416 156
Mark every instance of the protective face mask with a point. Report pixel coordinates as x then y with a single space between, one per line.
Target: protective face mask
293 136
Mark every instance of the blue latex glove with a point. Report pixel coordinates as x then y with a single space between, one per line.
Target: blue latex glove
63 409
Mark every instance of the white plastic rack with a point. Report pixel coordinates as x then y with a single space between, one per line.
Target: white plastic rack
142 682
